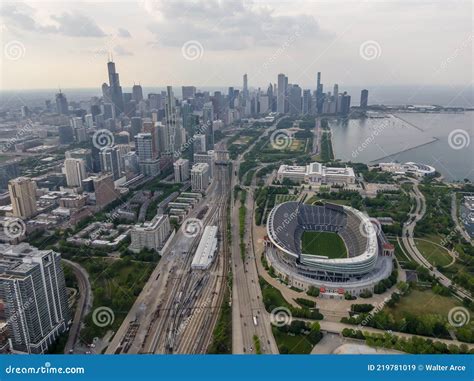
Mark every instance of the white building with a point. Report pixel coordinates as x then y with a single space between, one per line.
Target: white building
75 170
417 169
151 235
200 177
206 250
208 158
316 173
181 170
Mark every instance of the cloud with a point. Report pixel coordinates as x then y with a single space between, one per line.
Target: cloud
121 51
72 24
77 25
225 25
123 33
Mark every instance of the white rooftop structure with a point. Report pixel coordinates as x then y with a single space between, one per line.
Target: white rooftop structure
316 173
418 169
206 250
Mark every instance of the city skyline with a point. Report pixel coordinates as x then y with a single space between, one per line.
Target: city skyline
358 43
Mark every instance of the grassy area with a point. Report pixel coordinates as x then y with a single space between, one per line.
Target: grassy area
295 344
399 253
436 255
281 198
222 335
323 243
115 285
419 303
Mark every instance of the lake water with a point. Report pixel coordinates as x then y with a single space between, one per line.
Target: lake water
445 141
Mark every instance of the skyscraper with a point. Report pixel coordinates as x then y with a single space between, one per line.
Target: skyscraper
34 298
137 93
110 161
144 146
61 103
23 197
364 99
281 93
306 102
114 88
294 100
245 91
188 92
181 170
75 172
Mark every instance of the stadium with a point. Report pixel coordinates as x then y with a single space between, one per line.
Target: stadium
333 247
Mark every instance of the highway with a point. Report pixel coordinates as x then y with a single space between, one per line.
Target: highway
177 309
246 293
409 244
83 305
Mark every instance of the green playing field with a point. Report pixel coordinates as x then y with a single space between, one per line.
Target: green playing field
323 243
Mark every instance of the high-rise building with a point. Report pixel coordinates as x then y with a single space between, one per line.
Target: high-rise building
345 104
151 128
75 170
306 102
33 297
61 104
364 99
8 170
281 93
66 135
83 154
23 197
199 143
181 170
294 100
245 91
137 93
151 235
319 94
110 161
104 190
144 146
200 177
171 119
189 92
208 158
115 89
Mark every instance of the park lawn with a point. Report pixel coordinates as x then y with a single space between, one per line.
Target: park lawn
399 253
280 198
323 243
296 345
423 302
297 145
436 255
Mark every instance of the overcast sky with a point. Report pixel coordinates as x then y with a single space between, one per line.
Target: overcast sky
212 42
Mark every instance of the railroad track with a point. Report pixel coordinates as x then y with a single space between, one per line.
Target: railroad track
186 318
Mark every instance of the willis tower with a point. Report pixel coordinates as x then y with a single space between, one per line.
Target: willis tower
114 88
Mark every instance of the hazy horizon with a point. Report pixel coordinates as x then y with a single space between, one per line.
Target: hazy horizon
212 43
